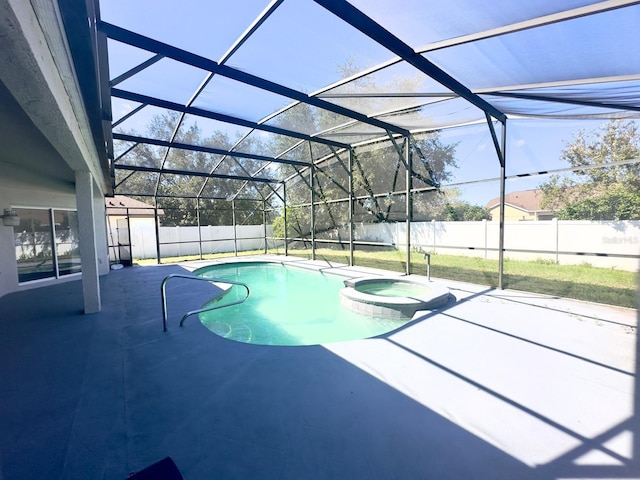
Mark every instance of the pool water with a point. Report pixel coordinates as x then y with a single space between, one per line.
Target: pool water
287 306
385 288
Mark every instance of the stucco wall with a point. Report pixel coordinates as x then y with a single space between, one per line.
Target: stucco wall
511 214
28 190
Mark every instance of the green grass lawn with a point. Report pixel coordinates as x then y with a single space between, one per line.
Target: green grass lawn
582 282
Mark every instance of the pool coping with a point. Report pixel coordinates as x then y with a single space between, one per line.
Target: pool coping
394 307
360 302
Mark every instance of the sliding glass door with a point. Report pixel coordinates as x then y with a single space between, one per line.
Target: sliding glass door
47 243
67 244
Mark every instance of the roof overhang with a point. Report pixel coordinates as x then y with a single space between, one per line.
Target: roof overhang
38 70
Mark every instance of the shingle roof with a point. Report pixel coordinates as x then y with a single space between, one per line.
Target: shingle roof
528 200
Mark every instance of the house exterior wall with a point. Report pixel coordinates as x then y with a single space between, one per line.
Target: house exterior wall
19 189
512 214
47 137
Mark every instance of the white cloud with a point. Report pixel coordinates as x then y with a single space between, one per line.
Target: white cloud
125 108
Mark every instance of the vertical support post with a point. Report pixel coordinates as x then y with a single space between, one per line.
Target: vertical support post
351 207
129 235
199 227
284 196
408 206
264 224
54 247
157 225
486 236
433 222
503 177
235 235
557 229
313 210
88 244
501 151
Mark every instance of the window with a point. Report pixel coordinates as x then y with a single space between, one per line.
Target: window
47 244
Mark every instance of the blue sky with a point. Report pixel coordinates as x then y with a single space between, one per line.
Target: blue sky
209 28
532 146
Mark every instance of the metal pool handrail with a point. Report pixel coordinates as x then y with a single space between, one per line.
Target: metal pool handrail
427 256
201 310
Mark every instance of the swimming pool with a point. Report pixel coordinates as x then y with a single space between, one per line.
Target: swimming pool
287 306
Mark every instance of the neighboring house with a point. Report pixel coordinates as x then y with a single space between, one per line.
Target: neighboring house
523 205
131 229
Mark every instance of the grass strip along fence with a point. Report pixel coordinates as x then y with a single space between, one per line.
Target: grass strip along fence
581 282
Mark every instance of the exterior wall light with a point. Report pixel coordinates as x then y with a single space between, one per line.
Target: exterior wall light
10 218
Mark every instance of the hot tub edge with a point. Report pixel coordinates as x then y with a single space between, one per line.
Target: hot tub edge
395 307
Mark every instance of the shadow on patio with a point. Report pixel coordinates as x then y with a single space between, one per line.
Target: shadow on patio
493 386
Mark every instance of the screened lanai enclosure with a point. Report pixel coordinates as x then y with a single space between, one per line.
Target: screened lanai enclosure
490 130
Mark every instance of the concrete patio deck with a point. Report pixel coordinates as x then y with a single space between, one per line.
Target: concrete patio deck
499 384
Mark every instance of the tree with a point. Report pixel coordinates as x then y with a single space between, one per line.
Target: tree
177 193
464 212
378 169
607 188
617 203
378 173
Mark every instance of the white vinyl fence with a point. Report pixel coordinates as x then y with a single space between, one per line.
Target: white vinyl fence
178 241
601 244
614 244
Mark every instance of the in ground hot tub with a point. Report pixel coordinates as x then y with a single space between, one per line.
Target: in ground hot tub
395 297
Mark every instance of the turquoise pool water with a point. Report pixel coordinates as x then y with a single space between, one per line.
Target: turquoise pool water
386 288
287 306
